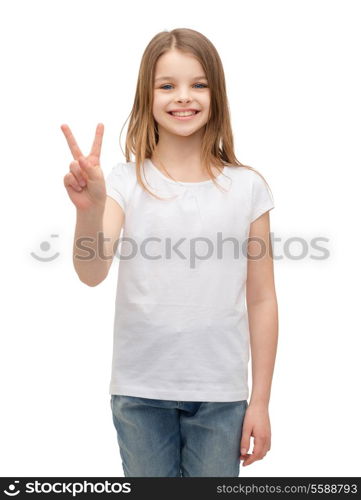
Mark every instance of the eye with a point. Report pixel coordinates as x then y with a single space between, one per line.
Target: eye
168 84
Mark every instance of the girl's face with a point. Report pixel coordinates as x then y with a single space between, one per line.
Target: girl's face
180 84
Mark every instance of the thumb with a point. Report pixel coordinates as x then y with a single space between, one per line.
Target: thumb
245 441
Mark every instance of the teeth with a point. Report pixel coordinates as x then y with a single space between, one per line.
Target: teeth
184 113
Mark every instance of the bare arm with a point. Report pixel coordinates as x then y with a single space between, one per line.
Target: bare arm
96 240
262 310
263 323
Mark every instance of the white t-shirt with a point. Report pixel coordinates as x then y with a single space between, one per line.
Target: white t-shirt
181 326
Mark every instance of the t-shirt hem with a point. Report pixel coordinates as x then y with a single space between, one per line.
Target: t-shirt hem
261 211
210 396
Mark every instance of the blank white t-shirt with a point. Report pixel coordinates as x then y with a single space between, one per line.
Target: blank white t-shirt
181 327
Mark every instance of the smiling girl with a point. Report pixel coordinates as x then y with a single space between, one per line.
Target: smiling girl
195 279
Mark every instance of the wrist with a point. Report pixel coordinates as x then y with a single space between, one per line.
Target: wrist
90 213
259 403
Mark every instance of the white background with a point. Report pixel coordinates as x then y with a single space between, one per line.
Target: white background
293 82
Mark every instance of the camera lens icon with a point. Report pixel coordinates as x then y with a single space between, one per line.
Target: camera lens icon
45 246
13 491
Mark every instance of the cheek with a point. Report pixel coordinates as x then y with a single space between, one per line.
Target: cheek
159 101
206 101
158 110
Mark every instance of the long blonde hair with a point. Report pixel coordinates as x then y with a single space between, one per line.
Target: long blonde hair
142 135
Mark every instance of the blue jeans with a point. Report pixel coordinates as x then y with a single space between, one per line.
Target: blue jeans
161 438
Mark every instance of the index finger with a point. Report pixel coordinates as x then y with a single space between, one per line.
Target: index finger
74 148
97 144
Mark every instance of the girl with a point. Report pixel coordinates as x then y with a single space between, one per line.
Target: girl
195 281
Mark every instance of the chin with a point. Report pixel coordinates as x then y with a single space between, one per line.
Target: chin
185 133
178 131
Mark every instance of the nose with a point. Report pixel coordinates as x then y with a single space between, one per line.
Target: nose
183 99
183 95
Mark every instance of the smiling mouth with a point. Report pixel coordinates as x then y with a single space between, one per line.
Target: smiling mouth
184 117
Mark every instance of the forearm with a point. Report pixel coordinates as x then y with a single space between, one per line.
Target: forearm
88 249
263 325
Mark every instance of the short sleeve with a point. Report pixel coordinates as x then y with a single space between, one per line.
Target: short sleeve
262 200
117 184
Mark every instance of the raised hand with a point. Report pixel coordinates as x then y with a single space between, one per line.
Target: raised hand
85 182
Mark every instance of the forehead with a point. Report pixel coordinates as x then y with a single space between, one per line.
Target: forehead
178 65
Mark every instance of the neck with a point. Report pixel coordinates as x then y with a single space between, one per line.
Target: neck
179 153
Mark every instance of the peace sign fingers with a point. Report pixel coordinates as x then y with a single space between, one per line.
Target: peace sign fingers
92 192
74 148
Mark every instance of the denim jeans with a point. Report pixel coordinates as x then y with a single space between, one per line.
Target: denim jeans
162 438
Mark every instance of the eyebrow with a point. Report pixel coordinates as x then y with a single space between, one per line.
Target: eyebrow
202 77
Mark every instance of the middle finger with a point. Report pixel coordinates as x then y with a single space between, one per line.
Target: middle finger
97 144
